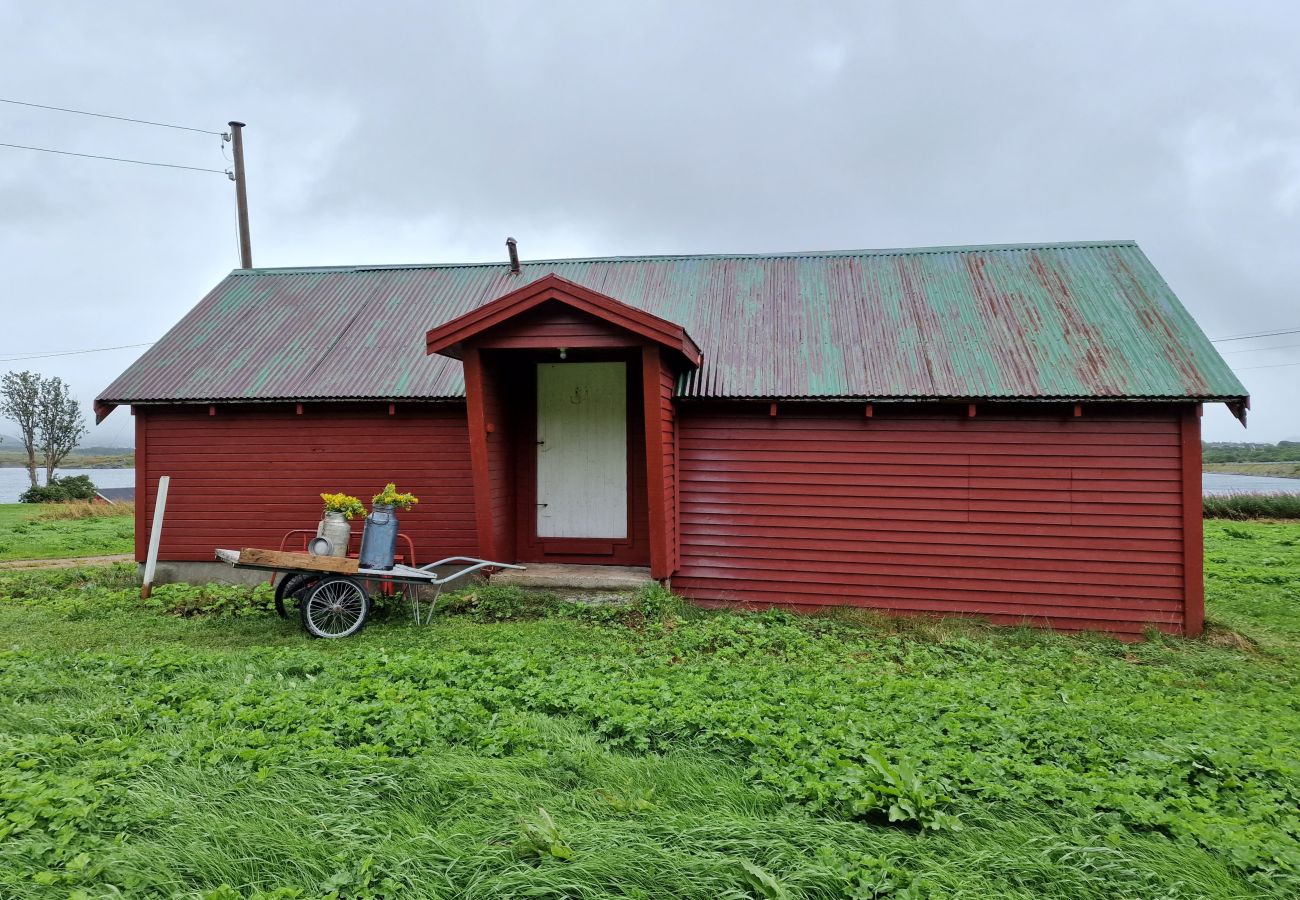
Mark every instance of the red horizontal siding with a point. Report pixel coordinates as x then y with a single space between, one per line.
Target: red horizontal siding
500 442
555 325
1071 522
245 476
668 454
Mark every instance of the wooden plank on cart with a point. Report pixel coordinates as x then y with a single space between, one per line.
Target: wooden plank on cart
282 560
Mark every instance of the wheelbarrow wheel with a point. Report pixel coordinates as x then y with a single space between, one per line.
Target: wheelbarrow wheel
291 587
336 607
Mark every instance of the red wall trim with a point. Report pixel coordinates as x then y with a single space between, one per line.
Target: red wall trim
141 483
675 490
660 559
478 453
1193 523
498 383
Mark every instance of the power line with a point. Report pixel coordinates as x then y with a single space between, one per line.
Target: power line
1262 349
138 162
1274 366
1258 334
82 112
74 352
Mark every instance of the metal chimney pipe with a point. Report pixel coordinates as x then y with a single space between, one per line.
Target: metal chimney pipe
513 247
241 195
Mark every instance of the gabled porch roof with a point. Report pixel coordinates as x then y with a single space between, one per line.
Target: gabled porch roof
449 338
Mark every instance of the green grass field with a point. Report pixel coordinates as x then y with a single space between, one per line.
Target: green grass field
24 536
200 747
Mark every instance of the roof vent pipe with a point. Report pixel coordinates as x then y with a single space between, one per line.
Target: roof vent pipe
513 247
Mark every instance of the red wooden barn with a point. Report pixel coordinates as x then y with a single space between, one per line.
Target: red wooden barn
1005 431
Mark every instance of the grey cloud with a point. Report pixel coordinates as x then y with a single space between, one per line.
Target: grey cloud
405 132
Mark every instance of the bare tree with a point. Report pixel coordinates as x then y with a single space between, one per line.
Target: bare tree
48 418
59 426
20 400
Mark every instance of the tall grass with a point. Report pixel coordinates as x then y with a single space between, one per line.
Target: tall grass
508 750
1252 506
85 509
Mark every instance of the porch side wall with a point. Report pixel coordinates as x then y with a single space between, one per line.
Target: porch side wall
1051 519
499 437
245 476
668 439
661 459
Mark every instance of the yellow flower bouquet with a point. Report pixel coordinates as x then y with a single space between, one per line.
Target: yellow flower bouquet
390 497
346 504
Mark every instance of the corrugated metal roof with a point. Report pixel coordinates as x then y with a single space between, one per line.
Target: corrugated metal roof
1073 321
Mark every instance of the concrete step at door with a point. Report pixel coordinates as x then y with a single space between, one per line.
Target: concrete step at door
582 584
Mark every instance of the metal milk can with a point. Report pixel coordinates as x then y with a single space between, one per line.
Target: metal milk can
335 529
379 539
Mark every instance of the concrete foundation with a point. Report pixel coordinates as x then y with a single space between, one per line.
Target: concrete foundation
552 576
578 584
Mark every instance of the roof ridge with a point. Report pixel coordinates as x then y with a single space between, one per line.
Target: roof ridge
805 254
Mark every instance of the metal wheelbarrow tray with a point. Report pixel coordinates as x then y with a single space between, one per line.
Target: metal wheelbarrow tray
332 600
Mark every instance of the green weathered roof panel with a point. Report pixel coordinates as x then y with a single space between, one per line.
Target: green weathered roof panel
1060 321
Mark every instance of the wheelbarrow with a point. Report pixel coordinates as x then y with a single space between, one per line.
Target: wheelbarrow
332 599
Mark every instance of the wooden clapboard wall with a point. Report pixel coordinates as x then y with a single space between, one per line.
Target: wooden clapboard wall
1071 521
245 474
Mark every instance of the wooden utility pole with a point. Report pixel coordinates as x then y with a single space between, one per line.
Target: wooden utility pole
241 195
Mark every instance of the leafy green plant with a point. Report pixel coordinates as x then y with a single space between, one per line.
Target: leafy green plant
762 883
60 489
861 876
496 603
360 882
657 603
187 600
629 801
540 837
901 793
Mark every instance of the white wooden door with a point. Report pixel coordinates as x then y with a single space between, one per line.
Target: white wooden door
582 450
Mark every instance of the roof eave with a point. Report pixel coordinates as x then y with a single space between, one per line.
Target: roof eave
449 338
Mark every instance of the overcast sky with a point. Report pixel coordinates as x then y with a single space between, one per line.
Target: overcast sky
383 132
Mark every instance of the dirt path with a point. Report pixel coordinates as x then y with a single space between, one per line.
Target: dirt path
65 563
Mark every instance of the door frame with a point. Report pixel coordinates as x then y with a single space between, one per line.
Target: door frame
632 550
566 467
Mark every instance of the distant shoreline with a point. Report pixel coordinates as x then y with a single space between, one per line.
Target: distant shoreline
1265 469
10 459
72 464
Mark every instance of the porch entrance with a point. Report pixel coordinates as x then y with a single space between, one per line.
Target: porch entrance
572 425
582 458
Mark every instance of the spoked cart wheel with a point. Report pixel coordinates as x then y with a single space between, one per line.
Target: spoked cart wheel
336 607
291 588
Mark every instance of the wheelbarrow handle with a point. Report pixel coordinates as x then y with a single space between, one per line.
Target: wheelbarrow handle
469 559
